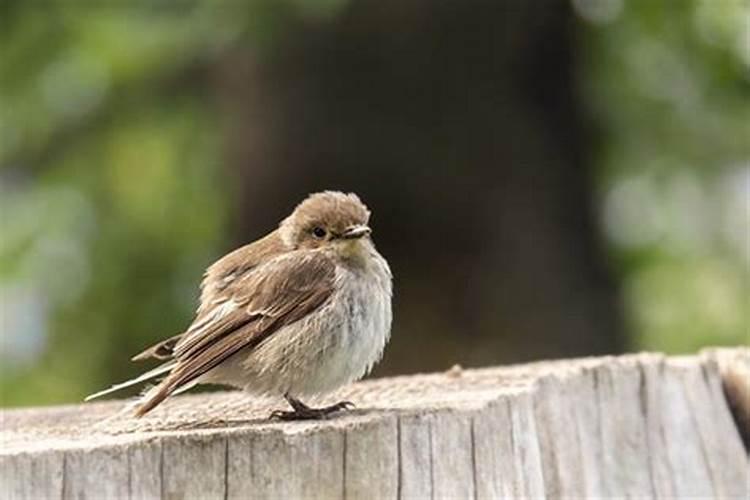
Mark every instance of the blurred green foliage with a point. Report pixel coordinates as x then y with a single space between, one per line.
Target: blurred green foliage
669 82
113 196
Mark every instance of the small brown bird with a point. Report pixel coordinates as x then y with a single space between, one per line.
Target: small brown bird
298 313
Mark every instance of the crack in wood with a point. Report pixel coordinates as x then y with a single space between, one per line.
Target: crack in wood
399 461
343 464
473 460
226 468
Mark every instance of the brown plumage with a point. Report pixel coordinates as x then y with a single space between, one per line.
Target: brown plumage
217 285
252 292
265 302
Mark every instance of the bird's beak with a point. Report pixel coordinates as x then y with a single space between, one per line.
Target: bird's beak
355 232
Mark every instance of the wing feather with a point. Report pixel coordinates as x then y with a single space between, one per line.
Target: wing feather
218 278
161 351
276 293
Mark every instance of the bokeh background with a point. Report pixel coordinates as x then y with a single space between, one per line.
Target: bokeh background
548 178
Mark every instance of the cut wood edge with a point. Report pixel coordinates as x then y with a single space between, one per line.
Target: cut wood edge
734 367
635 425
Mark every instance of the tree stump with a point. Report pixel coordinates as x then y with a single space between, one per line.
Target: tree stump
642 425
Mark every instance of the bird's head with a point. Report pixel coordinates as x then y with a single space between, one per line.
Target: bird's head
330 219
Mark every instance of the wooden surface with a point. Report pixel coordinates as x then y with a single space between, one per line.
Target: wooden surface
632 426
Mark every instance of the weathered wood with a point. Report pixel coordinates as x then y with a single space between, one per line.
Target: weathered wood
734 366
632 426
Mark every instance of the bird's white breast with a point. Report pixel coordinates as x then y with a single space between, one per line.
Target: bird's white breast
361 324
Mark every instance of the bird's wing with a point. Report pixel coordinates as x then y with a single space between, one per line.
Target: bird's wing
277 293
216 286
162 350
224 272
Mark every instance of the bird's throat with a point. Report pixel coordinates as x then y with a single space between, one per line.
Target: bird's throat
354 252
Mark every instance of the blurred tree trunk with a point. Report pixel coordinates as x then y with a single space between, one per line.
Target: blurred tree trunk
458 123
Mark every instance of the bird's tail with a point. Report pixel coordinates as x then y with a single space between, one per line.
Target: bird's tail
155 395
159 370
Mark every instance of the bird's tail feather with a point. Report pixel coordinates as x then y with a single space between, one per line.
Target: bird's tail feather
152 397
159 370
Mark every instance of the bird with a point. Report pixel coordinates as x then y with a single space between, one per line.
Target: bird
297 313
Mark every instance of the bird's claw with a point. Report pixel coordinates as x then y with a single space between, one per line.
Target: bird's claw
302 412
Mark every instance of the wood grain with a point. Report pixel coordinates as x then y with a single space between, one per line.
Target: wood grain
636 426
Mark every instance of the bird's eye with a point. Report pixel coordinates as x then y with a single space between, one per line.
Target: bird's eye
319 232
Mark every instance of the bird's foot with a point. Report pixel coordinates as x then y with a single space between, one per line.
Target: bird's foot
303 412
